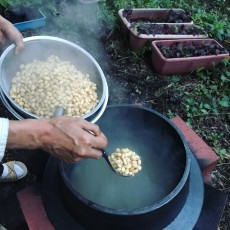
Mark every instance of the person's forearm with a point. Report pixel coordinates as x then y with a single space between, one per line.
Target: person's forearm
26 134
64 137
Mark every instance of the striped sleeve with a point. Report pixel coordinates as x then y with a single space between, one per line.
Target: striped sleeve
4 128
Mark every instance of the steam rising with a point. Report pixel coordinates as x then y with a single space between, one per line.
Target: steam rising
80 23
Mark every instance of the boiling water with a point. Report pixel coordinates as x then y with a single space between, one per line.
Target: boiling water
95 181
162 154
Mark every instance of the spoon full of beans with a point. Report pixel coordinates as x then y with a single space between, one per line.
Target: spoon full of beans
123 162
108 160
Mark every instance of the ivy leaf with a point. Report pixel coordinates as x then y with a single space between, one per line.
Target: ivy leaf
213 87
224 101
204 111
207 106
222 151
224 79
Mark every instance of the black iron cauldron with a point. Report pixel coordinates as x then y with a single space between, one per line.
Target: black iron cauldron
99 199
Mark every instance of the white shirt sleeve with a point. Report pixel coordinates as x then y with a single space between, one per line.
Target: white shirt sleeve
4 128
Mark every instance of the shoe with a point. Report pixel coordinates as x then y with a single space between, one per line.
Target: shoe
12 175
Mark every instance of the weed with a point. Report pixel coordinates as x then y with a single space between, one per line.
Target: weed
211 95
216 26
170 114
222 153
207 94
139 54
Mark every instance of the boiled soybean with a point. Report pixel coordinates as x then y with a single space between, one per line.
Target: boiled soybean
40 86
125 162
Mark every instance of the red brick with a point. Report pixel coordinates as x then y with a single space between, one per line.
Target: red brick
204 154
33 210
207 176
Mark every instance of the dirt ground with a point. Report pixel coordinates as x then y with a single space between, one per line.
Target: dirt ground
131 79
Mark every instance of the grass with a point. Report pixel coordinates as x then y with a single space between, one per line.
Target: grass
205 100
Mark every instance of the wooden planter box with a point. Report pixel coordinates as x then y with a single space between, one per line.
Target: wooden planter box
167 66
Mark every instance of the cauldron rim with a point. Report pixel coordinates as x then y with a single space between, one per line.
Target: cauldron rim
144 209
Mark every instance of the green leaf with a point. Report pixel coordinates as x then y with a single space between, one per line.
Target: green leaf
224 79
215 111
220 31
224 102
213 87
222 152
207 106
188 122
194 109
204 111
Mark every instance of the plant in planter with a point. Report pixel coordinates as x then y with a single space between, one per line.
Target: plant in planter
179 49
141 33
23 14
147 24
131 18
157 15
154 29
181 56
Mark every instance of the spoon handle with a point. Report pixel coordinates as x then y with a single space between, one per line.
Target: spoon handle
59 111
106 157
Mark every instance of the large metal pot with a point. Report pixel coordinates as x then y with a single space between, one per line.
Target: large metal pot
41 47
152 199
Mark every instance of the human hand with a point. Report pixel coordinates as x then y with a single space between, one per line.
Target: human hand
69 139
66 138
8 30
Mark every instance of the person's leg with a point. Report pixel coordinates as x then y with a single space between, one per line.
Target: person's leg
1 169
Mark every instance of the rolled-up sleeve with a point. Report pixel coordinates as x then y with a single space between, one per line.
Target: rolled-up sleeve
4 128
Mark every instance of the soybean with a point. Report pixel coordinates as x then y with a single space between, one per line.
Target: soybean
40 86
125 161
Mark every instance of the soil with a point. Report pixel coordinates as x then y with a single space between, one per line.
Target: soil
153 29
190 49
171 17
131 80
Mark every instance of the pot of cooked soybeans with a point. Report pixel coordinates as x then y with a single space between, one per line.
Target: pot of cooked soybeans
52 72
153 155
